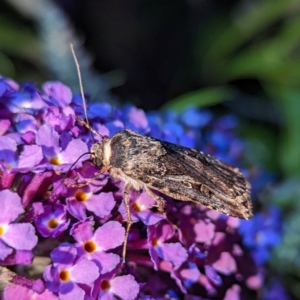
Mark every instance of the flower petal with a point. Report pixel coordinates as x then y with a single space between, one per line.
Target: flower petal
11 206
4 250
172 252
106 261
101 205
20 236
125 287
85 271
110 235
83 230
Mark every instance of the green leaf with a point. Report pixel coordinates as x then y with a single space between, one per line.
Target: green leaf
200 98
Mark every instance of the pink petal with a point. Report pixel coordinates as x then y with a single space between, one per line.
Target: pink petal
30 157
17 292
22 257
10 206
204 231
164 231
106 296
150 218
226 264
70 291
83 230
76 209
60 93
125 287
172 252
20 236
233 293
47 137
4 125
73 151
101 205
154 257
4 250
106 261
85 271
110 235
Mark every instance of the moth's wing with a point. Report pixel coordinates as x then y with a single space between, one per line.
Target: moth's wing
186 174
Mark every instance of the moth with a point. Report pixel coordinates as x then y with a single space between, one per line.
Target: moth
143 162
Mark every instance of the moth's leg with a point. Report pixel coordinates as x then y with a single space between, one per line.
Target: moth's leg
161 203
129 219
77 185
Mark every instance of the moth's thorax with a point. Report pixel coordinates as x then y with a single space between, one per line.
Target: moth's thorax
101 153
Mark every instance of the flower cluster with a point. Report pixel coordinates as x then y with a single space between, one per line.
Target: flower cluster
190 251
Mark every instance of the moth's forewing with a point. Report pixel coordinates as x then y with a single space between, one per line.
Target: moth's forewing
182 173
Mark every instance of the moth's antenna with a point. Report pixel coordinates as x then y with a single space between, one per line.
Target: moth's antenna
81 90
73 164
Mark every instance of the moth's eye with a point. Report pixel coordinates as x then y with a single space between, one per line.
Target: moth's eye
97 161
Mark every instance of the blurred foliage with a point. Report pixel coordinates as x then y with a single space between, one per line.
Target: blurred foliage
203 97
20 50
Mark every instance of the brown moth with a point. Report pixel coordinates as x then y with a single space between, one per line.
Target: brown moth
143 162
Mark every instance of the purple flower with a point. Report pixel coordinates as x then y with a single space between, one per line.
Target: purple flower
8 150
189 252
59 158
68 277
59 94
53 221
93 245
158 235
82 199
140 207
18 236
108 287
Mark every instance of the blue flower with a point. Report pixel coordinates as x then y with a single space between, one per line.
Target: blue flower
262 233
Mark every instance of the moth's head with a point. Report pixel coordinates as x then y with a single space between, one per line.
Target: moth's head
97 153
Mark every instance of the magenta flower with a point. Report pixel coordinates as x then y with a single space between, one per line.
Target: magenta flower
18 236
158 235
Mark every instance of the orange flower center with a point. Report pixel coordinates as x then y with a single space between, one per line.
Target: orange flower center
52 224
90 247
64 275
105 285
54 161
81 196
136 207
154 242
